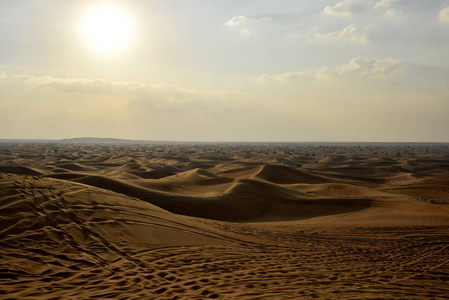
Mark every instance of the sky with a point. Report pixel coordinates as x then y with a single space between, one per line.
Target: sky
235 70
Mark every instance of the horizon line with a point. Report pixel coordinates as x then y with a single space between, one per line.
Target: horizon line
3 140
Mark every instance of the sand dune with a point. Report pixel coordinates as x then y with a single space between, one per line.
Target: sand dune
223 221
277 174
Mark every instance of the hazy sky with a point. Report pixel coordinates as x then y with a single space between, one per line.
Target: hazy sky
234 70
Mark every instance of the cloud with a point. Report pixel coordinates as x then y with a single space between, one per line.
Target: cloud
156 96
384 4
76 86
349 33
236 21
444 15
363 68
86 86
46 106
285 77
339 10
387 6
247 26
358 68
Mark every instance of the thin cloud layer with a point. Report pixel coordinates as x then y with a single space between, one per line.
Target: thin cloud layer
161 112
285 77
350 34
108 87
363 68
359 68
128 95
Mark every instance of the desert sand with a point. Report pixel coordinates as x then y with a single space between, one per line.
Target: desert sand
224 221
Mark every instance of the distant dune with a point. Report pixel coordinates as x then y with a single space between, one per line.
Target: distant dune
100 218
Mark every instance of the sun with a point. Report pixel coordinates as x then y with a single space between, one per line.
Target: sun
107 29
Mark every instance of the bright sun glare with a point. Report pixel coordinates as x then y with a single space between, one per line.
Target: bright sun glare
107 29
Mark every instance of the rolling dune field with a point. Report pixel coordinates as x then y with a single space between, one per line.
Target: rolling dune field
224 221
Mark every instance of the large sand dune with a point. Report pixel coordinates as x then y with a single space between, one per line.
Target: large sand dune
244 221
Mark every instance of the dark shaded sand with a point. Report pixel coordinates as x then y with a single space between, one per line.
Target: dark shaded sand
224 221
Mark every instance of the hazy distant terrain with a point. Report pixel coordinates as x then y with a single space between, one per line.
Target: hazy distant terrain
224 220
83 140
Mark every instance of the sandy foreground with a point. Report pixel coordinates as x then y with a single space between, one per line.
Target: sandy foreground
224 221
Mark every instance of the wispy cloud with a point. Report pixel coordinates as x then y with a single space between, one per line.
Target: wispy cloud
236 21
239 24
339 10
363 68
359 68
444 15
285 77
247 25
350 33
384 4
387 7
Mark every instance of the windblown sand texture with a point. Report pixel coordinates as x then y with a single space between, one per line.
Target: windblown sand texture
224 221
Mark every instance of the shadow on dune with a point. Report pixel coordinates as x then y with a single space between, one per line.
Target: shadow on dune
20 171
246 199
